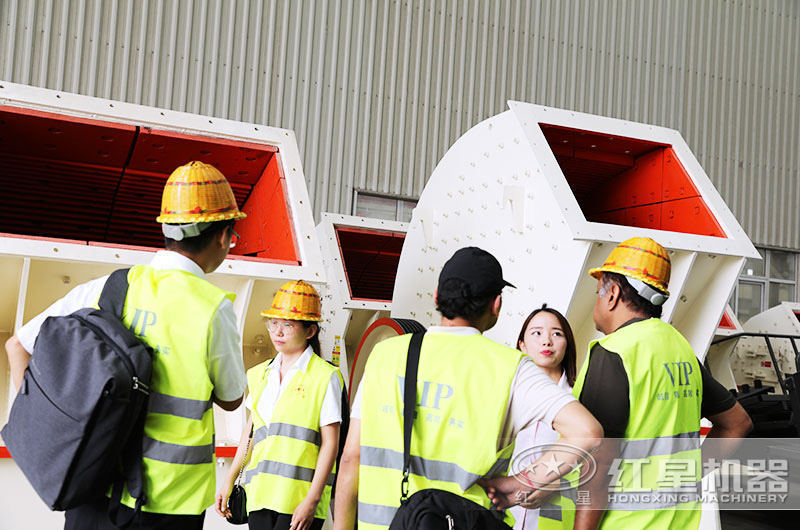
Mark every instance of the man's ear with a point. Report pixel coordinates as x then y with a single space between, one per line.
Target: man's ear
222 238
497 304
614 292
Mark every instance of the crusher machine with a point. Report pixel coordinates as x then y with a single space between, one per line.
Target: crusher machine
550 192
82 180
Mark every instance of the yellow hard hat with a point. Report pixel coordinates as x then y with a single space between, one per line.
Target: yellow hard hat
197 193
295 300
644 261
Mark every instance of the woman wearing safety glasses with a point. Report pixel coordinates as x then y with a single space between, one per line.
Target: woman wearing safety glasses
295 406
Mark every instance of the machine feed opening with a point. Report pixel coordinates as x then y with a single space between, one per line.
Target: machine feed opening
370 259
630 182
100 182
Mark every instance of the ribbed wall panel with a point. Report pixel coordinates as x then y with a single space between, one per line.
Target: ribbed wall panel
377 90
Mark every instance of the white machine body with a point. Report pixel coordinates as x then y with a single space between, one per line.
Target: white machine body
75 140
360 257
508 186
751 360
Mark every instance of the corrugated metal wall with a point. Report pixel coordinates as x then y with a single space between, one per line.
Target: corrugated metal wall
378 90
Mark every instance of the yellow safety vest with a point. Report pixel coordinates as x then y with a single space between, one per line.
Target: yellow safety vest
558 511
281 468
463 388
171 311
656 483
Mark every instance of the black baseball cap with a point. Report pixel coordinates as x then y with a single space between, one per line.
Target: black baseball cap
477 268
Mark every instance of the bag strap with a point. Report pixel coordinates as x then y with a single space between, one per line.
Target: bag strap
409 406
244 456
112 299
132 477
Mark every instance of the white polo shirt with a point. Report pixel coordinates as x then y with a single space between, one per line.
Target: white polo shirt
226 367
533 436
534 396
331 411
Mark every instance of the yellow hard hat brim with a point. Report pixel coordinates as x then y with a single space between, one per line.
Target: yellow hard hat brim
290 315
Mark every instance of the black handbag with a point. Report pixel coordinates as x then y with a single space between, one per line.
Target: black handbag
237 501
433 509
237 504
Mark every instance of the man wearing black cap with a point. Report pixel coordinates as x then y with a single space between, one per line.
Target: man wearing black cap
473 394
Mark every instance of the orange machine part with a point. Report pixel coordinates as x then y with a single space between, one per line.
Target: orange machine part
100 182
267 231
726 322
630 182
370 259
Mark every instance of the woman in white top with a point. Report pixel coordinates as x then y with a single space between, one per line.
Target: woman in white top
295 410
547 338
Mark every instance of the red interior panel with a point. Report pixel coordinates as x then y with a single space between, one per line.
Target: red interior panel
69 139
630 182
267 231
370 261
101 182
162 151
726 322
690 216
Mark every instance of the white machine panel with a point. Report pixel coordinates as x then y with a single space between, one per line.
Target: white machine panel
751 359
550 192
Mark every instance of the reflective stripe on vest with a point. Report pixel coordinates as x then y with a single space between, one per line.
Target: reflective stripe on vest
424 467
655 500
462 392
290 431
552 509
172 311
281 468
177 454
375 514
177 406
661 445
284 470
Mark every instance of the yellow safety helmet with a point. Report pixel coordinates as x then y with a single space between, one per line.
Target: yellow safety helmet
295 300
644 263
198 193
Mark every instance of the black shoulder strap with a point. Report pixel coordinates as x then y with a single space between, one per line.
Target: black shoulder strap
409 406
112 299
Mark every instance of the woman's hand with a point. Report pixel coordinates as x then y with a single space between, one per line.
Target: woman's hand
241 459
504 492
221 501
303 515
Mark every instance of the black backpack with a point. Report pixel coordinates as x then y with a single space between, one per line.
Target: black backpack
76 426
433 509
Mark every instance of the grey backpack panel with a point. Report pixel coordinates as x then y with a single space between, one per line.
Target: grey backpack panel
80 410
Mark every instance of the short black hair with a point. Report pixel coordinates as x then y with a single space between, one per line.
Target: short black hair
629 296
196 244
454 299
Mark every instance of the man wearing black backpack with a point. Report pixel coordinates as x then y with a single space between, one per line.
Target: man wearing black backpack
191 327
473 396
